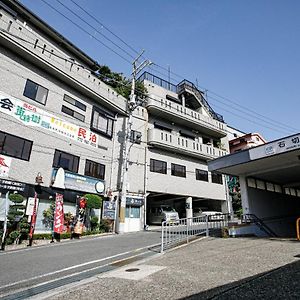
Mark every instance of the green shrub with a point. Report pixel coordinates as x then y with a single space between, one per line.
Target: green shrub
105 225
93 201
94 223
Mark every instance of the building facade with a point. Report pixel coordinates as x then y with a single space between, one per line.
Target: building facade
54 113
246 141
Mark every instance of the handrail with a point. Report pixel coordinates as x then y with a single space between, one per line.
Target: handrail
259 222
185 84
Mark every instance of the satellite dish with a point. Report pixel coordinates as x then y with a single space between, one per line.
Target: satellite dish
59 181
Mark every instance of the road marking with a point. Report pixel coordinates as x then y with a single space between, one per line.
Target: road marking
74 267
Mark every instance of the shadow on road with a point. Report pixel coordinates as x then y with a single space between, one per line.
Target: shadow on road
279 283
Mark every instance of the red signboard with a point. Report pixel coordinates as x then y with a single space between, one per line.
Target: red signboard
59 214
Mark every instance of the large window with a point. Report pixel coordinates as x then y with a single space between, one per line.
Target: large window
66 161
94 169
201 175
14 146
35 92
216 178
72 113
102 122
158 166
178 170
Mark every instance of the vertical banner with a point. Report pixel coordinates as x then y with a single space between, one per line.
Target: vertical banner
58 225
33 217
5 222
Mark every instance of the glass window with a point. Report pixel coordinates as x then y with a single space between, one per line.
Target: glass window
66 161
94 169
178 170
158 166
35 92
132 212
14 146
201 175
72 113
75 102
102 122
216 178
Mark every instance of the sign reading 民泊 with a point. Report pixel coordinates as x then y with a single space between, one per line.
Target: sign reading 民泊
33 116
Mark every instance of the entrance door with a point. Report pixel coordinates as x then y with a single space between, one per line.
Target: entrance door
133 218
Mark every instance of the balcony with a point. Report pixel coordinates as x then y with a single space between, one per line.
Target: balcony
182 115
178 144
46 55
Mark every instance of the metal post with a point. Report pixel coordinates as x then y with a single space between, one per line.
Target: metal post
5 222
207 230
162 238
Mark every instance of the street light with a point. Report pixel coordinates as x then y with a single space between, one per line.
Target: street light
131 108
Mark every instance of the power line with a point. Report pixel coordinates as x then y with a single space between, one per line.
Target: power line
105 27
85 31
79 17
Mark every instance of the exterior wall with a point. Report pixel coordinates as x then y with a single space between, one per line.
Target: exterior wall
246 141
189 186
14 73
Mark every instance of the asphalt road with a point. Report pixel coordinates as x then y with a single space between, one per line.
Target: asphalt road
25 268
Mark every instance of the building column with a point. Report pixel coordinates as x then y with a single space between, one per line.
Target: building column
189 207
244 195
183 100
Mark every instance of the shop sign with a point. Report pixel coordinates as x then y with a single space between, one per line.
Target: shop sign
134 201
33 116
12 185
82 183
30 205
58 226
109 210
4 165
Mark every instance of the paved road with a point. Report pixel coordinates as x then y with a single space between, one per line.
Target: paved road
27 267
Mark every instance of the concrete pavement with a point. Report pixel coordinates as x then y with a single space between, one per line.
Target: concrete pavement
211 268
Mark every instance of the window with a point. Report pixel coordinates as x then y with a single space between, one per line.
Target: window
216 178
14 146
66 161
72 113
35 92
201 175
75 102
102 122
158 166
162 127
135 137
178 170
94 169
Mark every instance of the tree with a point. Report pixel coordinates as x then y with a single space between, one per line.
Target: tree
17 223
92 202
120 83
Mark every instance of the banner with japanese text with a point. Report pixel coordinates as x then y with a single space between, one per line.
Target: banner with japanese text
58 226
31 115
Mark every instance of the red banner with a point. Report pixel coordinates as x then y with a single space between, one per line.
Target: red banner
59 214
33 217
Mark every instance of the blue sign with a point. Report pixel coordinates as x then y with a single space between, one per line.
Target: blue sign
134 201
74 181
109 210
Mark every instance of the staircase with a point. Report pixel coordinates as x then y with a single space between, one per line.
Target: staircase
253 219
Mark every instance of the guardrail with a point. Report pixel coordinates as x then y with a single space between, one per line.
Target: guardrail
183 230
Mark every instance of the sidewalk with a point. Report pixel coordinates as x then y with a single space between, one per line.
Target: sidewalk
209 268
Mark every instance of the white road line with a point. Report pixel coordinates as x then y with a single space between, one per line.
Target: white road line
72 267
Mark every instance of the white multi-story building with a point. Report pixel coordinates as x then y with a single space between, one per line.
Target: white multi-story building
54 113
178 134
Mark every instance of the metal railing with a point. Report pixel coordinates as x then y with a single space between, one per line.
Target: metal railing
182 231
251 218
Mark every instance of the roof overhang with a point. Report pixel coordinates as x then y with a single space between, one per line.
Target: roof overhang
277 161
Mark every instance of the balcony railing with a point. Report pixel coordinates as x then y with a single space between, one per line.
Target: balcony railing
188 115
177 143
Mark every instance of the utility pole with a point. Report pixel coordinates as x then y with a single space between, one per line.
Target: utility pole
131 107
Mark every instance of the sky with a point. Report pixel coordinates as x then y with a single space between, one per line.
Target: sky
245 53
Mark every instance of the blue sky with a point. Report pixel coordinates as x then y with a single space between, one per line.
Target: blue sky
246 51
